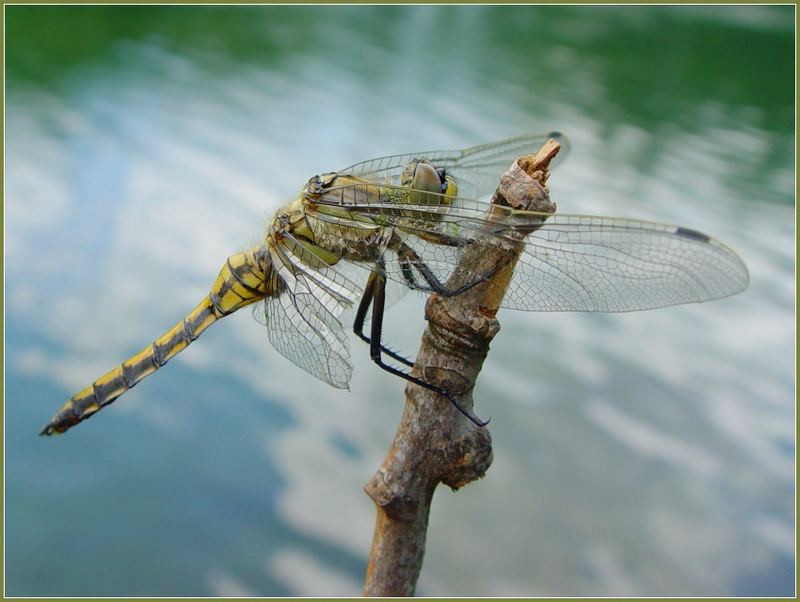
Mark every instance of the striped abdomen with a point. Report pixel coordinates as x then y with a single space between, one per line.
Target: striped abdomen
244 279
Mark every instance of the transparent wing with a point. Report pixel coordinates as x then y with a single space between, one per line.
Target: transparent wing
477 170
582 263
304 320
569 262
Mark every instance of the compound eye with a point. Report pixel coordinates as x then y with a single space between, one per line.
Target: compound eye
443 177
426 178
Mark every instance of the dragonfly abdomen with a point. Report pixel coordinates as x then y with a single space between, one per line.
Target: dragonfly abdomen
244 279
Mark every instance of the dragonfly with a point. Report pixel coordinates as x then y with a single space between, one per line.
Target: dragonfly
407 219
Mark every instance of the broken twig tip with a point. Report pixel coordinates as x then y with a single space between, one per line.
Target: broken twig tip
540 160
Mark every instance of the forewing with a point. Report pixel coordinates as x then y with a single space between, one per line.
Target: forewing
570 262
477 169
304 320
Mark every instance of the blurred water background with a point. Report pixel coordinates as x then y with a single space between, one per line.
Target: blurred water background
639 454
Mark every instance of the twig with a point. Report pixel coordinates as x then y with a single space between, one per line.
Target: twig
435 443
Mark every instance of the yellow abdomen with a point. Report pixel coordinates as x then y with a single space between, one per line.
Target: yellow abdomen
244 279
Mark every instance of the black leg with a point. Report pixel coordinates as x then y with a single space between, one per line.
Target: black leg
377 290
408 257
408 273
361 314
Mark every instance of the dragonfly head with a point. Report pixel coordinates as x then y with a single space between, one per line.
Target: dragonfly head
421 176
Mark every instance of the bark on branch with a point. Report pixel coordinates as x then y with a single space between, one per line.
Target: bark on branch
434 442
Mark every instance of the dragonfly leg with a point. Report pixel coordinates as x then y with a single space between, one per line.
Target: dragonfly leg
361 314
408 257
443 239
375 292
408 274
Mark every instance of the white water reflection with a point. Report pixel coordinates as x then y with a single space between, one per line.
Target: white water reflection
304 576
